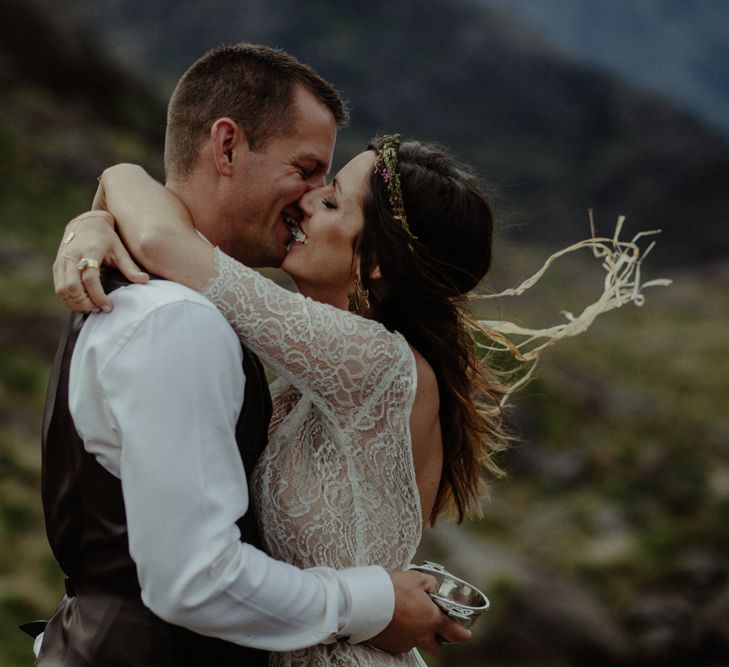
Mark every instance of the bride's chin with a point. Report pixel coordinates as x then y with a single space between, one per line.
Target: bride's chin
304 287
291 274
313 287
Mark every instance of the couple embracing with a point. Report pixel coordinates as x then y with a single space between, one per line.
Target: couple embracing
186 539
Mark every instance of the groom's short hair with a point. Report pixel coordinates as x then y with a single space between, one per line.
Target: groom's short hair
250 83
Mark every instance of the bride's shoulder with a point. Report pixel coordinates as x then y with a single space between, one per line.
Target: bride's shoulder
427 396
425 433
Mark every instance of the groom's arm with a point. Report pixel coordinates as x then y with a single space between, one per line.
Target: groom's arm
171 388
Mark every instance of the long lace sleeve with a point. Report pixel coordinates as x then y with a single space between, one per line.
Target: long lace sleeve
343 361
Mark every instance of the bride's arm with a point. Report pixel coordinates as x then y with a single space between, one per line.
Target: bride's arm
341 359
153 224
93 232
156 227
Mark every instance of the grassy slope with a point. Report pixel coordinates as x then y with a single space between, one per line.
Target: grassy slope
619 486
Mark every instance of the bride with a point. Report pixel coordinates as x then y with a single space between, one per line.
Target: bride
383 416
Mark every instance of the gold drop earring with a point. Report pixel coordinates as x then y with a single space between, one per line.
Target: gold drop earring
359 300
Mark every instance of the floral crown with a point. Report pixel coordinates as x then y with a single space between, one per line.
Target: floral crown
386 165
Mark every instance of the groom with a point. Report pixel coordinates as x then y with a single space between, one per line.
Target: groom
144 485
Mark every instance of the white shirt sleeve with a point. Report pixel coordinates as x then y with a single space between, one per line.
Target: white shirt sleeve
156 389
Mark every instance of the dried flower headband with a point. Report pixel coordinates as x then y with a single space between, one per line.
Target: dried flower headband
386 165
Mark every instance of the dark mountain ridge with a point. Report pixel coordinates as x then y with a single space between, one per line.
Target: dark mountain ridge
42 46
553 136
669 46
69 109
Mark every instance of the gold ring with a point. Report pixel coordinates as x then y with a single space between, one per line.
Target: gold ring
87 263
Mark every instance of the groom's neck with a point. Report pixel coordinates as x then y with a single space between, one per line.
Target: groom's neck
193 195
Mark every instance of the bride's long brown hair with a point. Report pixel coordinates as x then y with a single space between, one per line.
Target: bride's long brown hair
421 295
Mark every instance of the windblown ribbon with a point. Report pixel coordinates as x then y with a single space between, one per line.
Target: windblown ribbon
621 261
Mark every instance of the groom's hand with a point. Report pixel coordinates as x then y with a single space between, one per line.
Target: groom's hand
417 621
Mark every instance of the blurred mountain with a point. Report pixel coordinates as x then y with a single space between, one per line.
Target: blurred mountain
607 543
673 47
68 110
554 137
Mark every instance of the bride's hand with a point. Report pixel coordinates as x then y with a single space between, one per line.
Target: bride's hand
89 241
416 620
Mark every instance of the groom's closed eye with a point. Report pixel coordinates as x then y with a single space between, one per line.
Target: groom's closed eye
310 164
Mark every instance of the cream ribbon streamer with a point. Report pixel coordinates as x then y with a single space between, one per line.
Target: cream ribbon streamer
621 261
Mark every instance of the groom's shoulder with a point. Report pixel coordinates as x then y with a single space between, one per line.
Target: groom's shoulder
134 304
147 318
157 293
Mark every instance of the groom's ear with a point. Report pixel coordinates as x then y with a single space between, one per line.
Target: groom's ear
227 140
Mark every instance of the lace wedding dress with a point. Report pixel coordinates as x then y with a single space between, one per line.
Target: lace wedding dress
336 484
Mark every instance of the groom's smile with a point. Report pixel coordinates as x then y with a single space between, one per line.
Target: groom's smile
275 176
292 222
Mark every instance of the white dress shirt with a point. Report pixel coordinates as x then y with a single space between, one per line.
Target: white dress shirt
155 391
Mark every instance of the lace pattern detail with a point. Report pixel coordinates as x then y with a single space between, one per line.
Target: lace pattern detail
336 484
